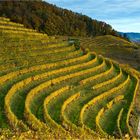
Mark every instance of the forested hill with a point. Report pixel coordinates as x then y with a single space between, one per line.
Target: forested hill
48 18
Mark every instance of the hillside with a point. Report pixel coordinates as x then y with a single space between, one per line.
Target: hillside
113 47
48 18
51 89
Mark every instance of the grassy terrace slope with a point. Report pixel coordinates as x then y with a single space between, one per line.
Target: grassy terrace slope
50 89
115 48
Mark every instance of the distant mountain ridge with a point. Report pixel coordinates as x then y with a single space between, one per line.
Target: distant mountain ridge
135 37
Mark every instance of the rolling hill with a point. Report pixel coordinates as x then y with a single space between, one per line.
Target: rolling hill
116 48
51 89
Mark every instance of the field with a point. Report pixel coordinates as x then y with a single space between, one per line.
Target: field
51 89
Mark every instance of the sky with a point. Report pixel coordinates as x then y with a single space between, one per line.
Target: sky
122 15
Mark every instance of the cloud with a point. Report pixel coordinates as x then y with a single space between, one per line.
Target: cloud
119 13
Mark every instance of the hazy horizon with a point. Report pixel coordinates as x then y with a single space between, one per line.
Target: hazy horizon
123 16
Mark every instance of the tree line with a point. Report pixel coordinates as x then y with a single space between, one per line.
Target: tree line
50 19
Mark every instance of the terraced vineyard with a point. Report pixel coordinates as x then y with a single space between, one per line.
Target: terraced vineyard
50 89
113 47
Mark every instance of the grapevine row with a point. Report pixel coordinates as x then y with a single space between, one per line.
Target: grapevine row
131 107
109 81
36 68
101 96
101 112
99 75
48 99
119 121
44 85
24 82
